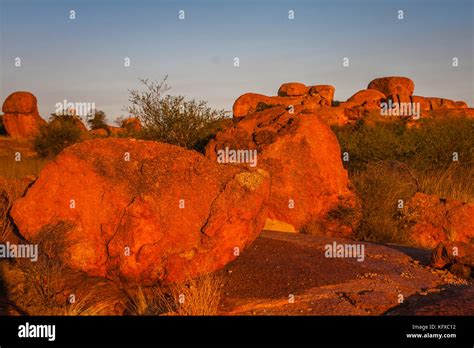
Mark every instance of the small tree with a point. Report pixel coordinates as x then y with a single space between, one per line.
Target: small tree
97 120
173 119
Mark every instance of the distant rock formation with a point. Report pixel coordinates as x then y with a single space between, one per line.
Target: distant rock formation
289 94
319 99
21 118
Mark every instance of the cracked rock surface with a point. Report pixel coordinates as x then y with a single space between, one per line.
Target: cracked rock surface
144 211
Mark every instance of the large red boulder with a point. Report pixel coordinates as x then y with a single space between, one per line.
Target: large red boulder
326 92
21 118
434 220
143 211
247 103
393 85
292 89
303 157
367 98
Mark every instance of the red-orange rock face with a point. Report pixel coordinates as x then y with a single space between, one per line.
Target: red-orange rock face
399 98
163 215
451 252
290 94
460 104
21 118
442 103
101 133
251 102
393 85
458 257
247 103
20 103
437 220
292 89
132 125
367 98
303 157
325 91
424 102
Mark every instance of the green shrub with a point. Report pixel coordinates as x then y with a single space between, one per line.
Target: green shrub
173 119
98 121
59 133
389 161
428 147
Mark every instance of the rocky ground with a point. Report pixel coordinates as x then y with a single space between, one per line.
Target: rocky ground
278 265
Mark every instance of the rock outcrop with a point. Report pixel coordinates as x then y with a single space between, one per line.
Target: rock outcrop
291 94
393 85
21 118
142 211
292 89
436 220
303 157
367 98
457 257
326 92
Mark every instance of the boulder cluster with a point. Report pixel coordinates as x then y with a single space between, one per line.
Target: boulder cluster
143 211
289 94
320 99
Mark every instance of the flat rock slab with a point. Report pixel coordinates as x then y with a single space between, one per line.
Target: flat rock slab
288 274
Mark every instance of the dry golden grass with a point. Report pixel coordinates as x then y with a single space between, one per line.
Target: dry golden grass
11 169
195 297
89 305
49 287
455 182
382 187
11 186
10 190
200 296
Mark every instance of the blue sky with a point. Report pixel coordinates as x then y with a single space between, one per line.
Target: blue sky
81 60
